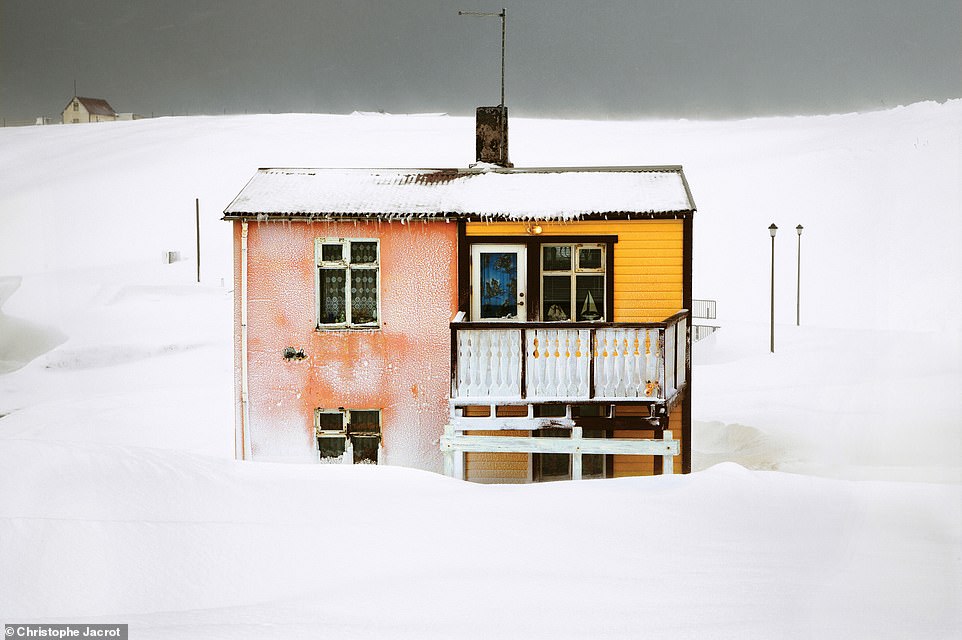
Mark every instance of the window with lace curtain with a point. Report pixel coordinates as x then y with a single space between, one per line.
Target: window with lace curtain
348 283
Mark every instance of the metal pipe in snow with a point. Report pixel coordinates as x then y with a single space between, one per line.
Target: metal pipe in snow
773 297
245 414
197 219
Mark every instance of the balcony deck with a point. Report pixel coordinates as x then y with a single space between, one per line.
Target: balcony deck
569 362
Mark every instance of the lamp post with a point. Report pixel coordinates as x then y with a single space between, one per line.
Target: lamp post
771 231
798 280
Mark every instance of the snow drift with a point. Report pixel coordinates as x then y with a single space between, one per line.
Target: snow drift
119 501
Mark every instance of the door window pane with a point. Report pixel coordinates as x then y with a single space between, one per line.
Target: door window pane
499 285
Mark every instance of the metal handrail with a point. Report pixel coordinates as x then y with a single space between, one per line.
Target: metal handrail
703 309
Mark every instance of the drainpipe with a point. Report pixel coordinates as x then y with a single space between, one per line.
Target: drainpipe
245 412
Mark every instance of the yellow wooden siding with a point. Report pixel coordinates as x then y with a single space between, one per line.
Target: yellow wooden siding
645 465
627 465
675 418
648 261
507 468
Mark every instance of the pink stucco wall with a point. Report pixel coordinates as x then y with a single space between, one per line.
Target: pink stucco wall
401 368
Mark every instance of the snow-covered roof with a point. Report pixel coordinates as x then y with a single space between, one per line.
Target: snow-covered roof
482 191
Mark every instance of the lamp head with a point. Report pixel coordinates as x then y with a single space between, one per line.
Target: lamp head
798 229
772 229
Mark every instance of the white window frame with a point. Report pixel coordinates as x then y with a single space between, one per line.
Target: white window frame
343 432
347 266
573 272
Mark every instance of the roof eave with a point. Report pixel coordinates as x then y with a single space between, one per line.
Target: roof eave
332 216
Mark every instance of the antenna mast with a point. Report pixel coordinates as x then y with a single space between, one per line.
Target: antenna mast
501 14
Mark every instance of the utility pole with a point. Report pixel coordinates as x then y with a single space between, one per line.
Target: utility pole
771 230
798 280
501 14
197 227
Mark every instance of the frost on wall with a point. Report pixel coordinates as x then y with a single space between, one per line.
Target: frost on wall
400 368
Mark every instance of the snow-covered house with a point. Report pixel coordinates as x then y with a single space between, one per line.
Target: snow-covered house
81 109
527 323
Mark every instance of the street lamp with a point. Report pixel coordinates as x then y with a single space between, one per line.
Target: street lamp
771 231
798 280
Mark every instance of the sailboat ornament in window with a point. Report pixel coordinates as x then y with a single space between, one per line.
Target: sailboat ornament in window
588 310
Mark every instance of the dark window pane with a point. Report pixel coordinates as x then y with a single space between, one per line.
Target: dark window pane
556 259
365 449
332 296
549 411
589 258
330 447
365 422
556 298
499 285
590 297
332 252
553 466
363 296
330 421
593 465
363 252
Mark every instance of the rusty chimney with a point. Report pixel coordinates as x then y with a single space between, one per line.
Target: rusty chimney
492 135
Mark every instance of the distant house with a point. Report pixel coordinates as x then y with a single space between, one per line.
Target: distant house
505 324
81 109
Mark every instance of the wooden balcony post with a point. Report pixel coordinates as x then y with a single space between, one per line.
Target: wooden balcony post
667 460
448 452
576 454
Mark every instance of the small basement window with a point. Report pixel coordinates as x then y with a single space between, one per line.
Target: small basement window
355 433
348 282
547 467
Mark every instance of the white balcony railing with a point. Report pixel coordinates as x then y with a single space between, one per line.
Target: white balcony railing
569 362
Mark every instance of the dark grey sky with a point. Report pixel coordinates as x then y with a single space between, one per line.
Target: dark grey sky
618 59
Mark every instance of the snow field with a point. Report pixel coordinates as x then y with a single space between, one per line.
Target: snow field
119 501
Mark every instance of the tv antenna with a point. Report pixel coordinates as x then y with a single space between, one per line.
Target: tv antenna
500 14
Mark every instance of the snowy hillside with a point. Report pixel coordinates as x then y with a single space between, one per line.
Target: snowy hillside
119 501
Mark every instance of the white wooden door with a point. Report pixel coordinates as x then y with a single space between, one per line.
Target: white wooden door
498 282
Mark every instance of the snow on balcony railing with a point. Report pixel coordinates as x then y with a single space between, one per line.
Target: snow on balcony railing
568 362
